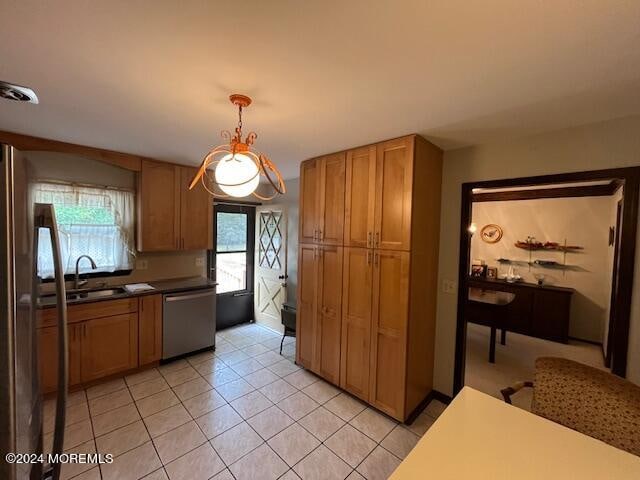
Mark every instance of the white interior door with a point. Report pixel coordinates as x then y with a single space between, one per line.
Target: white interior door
270 264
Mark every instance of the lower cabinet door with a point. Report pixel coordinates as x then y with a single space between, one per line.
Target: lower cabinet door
329 310
389 331
356 321
306 329
150 329
109 345
48 356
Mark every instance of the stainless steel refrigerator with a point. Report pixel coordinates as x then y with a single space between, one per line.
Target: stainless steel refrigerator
21 226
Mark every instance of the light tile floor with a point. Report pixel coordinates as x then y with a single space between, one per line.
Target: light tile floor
242 412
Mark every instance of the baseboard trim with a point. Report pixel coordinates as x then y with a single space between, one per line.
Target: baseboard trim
591 342
432 395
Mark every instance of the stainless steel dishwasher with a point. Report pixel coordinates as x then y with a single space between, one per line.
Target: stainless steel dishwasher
188 322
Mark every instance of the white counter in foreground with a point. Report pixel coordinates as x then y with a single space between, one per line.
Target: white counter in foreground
481 437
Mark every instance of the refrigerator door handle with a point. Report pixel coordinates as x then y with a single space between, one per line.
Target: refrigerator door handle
45 217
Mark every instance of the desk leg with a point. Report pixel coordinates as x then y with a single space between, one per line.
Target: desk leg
492 345
503 337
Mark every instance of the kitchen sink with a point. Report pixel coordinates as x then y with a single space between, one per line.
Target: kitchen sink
77 295
106 292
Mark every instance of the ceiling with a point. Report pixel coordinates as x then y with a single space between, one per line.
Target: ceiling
152 77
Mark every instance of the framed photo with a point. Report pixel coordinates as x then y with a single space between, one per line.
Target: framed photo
492 273
478 270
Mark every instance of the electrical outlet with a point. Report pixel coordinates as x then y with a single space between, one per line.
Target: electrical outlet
142 264
200 262
449 286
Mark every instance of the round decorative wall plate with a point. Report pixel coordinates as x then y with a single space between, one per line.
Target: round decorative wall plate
491 233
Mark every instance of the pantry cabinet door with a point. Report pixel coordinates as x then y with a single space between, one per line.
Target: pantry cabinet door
360 191
329 312
389 331
331 211
306 321
394 177
356 321
309 201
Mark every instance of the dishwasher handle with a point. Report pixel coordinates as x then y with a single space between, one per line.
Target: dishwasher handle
178 298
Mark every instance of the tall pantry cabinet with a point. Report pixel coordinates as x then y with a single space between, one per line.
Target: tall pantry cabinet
368 261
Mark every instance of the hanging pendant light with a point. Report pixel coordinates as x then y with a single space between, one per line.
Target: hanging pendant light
237 167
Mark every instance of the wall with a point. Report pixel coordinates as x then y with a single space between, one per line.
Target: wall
72 168
290 200
610 144
580 221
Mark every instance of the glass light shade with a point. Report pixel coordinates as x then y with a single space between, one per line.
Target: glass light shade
237 175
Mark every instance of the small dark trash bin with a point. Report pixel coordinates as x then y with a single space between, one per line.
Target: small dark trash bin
288 314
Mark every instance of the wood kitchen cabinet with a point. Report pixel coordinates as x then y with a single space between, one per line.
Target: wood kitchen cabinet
47 339
109 345
357 288
390 317
328 310
319 309
170 216
360 193
158 219
196 214
150 329
322 183
306 319
102 340
394 193
387 285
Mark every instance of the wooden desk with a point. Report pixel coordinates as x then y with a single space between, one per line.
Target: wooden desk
492 301
480 437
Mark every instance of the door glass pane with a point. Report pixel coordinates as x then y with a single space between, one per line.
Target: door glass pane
270 240
231 232
231 255
231 271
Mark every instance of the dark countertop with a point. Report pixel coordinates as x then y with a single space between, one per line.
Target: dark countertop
490 297
482 282
163 286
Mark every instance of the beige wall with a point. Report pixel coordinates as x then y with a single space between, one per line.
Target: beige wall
580 221
610 144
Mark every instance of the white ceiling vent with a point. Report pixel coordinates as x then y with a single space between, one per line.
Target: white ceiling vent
17 93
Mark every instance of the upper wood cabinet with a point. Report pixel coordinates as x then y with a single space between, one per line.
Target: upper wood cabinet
150 329
322 183
158 219
196 214
309 193
170 216
360 191
394 189
357 287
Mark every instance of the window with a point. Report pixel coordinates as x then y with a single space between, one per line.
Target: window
93 221
231 251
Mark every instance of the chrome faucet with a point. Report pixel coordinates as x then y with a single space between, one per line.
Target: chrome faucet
77 283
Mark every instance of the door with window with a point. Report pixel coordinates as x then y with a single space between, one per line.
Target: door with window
271 264
231 263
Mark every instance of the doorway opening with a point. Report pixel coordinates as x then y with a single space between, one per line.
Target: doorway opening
231 263
540 264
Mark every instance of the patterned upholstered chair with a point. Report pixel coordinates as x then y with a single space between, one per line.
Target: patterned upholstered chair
583 398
